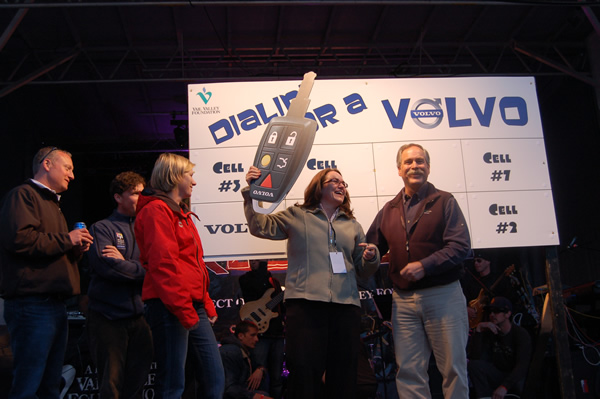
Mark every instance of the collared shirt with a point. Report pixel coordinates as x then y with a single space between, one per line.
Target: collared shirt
410 208
42 185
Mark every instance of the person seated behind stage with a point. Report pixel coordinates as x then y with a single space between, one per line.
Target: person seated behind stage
242 375
269 350
481 283
499 353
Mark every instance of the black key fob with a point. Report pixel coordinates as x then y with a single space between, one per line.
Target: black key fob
283 151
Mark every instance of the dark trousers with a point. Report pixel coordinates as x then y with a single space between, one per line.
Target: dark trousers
486 378
122 351
321 337
269 352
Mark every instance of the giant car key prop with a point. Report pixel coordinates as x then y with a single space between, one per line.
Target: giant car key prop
283 151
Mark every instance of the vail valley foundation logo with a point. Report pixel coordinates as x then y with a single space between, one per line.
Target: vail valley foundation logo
205 96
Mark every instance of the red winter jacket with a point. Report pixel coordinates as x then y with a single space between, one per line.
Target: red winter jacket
171 253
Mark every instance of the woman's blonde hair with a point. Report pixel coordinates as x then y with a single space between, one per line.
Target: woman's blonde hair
168 171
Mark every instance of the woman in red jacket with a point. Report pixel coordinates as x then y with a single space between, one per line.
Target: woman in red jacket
178 307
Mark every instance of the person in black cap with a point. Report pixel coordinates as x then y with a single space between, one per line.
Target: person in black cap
499 352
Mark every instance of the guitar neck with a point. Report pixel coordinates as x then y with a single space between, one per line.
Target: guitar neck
274 301
506 272
493 287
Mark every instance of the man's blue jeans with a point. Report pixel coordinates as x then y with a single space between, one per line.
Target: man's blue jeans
38 330
171 348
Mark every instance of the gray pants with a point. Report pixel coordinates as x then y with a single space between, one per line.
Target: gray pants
425 321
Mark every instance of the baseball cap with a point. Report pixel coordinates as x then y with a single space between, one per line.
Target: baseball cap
499 303
483 254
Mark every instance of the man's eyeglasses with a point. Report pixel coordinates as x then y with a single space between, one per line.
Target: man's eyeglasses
48 153
336 182
478 260
496 310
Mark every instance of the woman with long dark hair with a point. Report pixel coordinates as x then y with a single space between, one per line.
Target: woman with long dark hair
326 252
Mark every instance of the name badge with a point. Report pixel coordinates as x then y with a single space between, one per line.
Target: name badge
337 262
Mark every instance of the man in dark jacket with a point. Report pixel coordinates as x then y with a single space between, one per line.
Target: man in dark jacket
38 272
120 338
242 375
427 237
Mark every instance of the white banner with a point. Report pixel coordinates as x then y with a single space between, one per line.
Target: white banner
484 136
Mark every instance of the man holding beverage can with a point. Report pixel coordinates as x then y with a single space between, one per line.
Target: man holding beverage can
38 272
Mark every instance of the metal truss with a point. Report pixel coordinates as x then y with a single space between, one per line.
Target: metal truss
469 51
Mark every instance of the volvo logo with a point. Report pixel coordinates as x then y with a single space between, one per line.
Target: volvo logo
427 113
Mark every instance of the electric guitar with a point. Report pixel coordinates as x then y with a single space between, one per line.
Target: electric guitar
482 299
260 312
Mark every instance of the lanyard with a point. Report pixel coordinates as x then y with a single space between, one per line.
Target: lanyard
331 234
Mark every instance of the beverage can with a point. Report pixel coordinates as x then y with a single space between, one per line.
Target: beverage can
79 225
